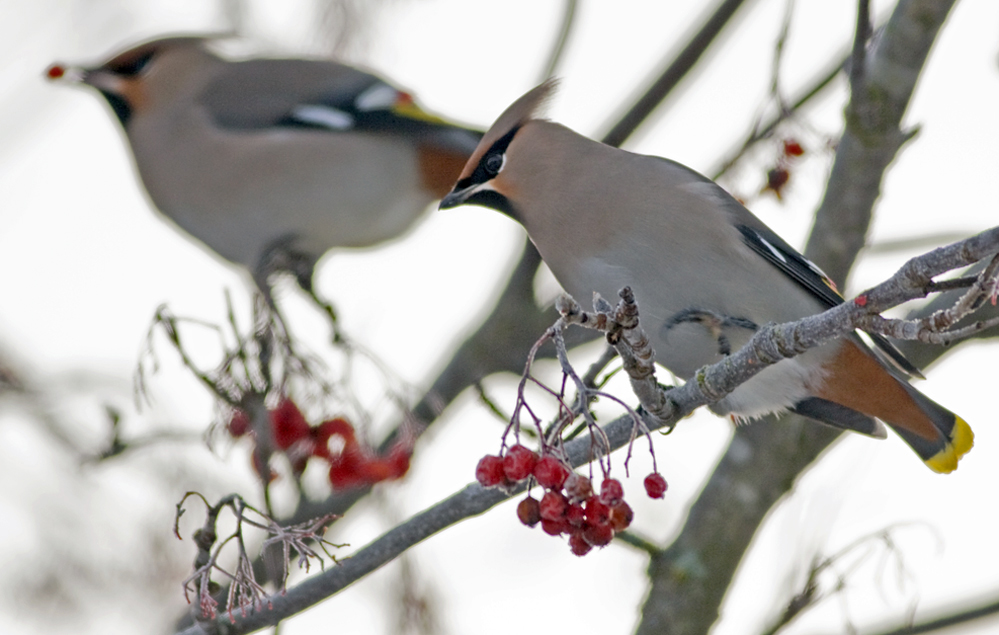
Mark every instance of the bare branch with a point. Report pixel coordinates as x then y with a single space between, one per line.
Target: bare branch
822 80
765 458
768 346
958 617
565 27
873 135
675 72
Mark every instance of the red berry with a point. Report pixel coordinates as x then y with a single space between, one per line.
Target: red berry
529 511
489 471
519 462
553 505
331 428
578 545
621 517
374 470
398 460
578 487
550 472
598 535
554 527
596 512
289 424
611 492
239 423
347 471
575 515
655 485
792 148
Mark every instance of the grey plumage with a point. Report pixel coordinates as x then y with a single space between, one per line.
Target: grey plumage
705 272
272 162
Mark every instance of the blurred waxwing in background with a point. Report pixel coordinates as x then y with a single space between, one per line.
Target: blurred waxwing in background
272 162
705 271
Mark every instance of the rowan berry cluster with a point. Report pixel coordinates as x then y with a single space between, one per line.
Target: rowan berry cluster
350 465
570 506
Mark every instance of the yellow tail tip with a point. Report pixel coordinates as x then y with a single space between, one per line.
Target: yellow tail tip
961 441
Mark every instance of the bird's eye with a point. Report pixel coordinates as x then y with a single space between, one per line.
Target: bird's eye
493 164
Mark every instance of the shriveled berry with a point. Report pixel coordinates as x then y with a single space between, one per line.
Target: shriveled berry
596 512
489 471
553 505
578 545
777 179
611 492
621 517
519 463
578 487
550 472
598 535
792 148
529 511
655 485
554 527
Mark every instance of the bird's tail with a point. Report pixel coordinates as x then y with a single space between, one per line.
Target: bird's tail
953 438
857 381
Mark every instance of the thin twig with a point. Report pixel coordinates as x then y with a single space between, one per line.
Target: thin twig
676 71
565 27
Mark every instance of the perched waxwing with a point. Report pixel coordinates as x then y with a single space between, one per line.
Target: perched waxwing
272 162
705 271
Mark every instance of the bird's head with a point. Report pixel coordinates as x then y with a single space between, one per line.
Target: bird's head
150 72
490 177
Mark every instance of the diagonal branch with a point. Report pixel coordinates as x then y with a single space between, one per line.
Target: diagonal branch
765 348
675 72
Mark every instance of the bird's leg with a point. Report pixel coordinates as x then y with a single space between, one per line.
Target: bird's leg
305 283
713 322
280 256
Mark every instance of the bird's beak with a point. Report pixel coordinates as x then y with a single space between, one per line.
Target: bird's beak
457 196
65 73
461 195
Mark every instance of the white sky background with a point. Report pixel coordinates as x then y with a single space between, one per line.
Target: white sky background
86 264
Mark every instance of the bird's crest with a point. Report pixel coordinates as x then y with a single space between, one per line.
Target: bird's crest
530 106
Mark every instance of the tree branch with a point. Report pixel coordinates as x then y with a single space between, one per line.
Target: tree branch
690 578
565 27
881 90
960 617
675 72
766 347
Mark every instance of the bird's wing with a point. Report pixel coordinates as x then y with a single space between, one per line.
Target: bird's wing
774 250
322 96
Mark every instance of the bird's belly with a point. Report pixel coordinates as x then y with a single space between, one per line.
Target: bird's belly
692 324
317 192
